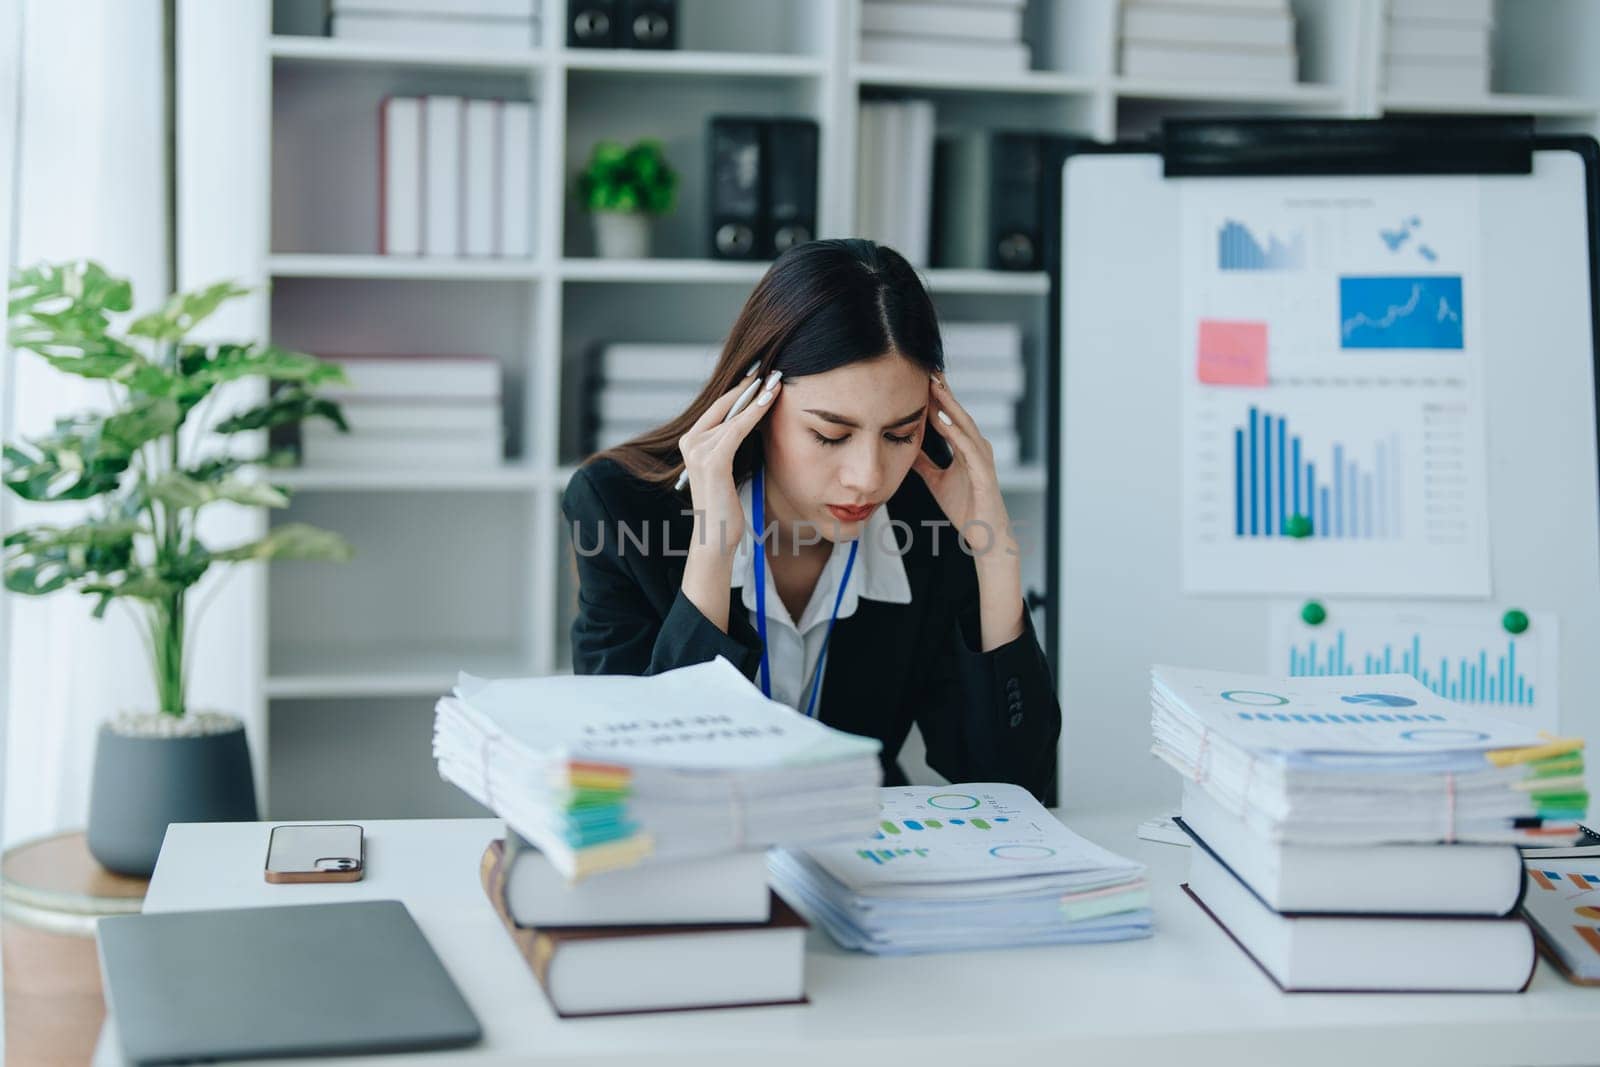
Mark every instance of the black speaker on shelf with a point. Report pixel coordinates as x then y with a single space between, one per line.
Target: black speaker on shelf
650 24
735 188
790 163
593 23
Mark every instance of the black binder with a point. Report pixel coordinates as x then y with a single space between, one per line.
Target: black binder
763 185
735 188
791 185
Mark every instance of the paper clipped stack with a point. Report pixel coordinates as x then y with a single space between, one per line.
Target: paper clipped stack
1359 832
469 24
455 177
984 363
965 867
982 36
894 176
641 386
638 810
407 412
1217 40
1438 48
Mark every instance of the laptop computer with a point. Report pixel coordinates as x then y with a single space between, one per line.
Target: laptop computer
300 980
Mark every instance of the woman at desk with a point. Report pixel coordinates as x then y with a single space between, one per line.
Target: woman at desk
861 604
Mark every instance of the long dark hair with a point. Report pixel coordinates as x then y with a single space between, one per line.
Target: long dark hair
820 305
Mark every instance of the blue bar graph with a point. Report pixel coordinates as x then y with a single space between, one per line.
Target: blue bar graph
1484 677
1238 249
1274 481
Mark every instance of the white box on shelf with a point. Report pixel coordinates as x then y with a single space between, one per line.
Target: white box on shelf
479 176
1261 6
398 450
366 414
993 22
983 57
438 32
1227 65
1421 38
417 377
518 129
673 364
1443 10
654 404
1436 78
981 339
400 177
1161 24
494 9
441 175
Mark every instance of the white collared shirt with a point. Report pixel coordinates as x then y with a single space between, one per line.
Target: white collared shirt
793 648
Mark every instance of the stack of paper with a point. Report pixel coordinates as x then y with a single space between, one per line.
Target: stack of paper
411 412
964 866
894 176
1357 832
969 35
471 24
455 177
601 772
1438 48
983 361
1215 40
1364 759
638 387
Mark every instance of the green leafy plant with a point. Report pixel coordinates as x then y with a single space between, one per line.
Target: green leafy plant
636 179
140 545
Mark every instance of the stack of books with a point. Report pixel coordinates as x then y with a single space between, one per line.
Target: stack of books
1438 49
492 24
978 36
1359 833
455 177
983 361
638 386
965 867
894 176
411 411
637 812
1209 40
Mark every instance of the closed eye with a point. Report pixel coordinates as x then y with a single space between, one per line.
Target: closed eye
898 439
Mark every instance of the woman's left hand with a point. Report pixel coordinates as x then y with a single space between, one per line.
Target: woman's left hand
968 491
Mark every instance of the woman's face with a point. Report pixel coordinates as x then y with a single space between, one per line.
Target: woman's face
839 443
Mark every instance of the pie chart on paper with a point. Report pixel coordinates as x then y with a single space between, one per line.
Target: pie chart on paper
1380 700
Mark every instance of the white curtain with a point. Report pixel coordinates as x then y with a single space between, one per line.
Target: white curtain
90 184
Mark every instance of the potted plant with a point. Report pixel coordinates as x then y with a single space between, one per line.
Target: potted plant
621 188
145 467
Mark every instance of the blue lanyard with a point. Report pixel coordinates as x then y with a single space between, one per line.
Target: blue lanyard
760 550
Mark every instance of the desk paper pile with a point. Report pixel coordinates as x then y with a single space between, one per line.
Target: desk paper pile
1357 832
964 867
604 772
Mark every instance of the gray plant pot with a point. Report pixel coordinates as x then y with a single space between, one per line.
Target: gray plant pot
142 783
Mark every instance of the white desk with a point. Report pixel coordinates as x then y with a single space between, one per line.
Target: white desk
1185 996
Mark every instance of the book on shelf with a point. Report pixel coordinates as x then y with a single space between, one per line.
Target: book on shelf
1221 6
324 447
667 364
1142 59
518 124
1246 27
1433 77
614 970
1469 11
479 176
1364 953
1421 38
441 175
728 888
981 340
923 53
400 177
489 9
981 22
435 31
434 378
1415 879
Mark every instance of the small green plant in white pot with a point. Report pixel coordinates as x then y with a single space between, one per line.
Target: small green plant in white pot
622 188
148 476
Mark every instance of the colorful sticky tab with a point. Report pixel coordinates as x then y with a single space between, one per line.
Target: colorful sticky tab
1232 353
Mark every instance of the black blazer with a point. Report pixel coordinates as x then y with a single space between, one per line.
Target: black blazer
985 716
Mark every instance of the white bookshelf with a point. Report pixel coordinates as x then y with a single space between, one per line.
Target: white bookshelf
471 570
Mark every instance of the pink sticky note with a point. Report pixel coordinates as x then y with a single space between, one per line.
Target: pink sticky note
1232 353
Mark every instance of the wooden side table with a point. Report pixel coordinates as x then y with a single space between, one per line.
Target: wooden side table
51 892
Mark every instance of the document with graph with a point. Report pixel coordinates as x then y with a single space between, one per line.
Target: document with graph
1462 652
1563 903
1333 417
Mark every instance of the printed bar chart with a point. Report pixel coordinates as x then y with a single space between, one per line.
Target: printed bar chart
1238 249
1275 480
1483 678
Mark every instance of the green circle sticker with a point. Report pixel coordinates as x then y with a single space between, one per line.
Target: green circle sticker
1313 614
1514 621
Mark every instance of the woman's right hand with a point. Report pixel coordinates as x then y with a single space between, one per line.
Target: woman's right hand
708 449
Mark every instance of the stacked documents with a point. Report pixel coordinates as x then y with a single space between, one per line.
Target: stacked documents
964 866
603 772
1360 760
